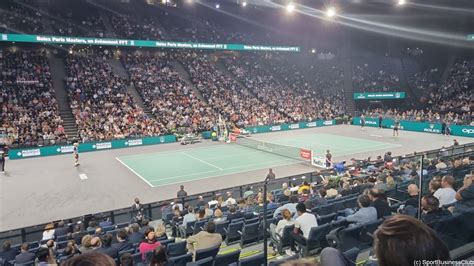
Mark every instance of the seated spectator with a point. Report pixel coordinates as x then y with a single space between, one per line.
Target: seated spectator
234 214
160 257
446 194
8 253
441 165
304 186
45 257
71 249
107 247
90 259
248 192
106 222
149 244
204 239
278 229
144 226
24 256
434 185
122 243
465 195
188 218
200 203
413 193
160 231
401 240
431 210
61 230
126 260
99 231
209 211
285 196
86 245
379 202
78 233
291 206
96 242
380 184
230 200
303 225
321 200
365 214
201 215
48 232
135 236
219 217
92 225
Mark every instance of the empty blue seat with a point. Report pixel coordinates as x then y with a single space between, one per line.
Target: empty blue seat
176 249
228 258
232 232
249 234
256 260
209 261
180 260
207 252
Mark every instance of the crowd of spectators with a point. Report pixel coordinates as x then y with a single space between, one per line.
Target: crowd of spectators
173 103
283 88
367 79
455 94
424 81
230 100
102 107
17 19
29 111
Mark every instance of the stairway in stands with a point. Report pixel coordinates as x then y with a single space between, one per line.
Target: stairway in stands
58 73
119 70
185 76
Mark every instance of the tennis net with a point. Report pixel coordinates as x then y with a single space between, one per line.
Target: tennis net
291 152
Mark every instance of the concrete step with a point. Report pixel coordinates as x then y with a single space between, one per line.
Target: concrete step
58 72
185 76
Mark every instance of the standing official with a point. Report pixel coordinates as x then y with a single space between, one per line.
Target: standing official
3 156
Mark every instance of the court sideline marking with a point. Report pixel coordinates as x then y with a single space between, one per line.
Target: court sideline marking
133 171
200 160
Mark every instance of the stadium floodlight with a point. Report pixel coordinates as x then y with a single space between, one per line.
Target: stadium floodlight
290 7
244 4
331 12
313 51
218 6
401 2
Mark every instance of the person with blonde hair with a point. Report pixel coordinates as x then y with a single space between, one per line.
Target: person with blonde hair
48 232
219 217
287 220
86 244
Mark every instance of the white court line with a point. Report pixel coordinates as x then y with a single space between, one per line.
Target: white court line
377 136
199 160
133 171
235 167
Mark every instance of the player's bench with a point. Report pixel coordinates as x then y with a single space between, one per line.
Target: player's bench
189 139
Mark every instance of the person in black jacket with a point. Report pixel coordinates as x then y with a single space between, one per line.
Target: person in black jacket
25 256
8 253
107 247
137 211
135 236
3 156
122 243
431 210
379 202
